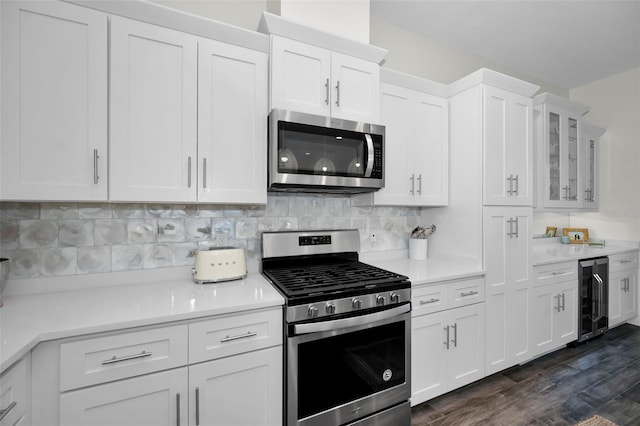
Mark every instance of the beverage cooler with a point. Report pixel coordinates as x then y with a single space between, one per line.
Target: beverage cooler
593 281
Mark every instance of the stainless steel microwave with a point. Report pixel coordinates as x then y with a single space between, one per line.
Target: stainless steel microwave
311 153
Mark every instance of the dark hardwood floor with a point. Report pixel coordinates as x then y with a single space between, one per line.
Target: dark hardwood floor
601 376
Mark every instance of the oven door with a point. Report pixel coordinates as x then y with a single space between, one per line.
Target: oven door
342 370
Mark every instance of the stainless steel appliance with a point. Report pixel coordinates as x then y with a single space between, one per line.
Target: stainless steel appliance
310 153
593 311
347 331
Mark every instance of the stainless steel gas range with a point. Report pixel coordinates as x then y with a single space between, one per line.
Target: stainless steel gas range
347 331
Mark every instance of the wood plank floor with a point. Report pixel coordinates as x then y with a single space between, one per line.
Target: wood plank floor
601 377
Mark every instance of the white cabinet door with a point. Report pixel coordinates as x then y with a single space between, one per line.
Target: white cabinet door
628 298
554 313
310 79
356 89
622 296
153 113
155 400
466 342
15 394
54 102
566 323
232 124
241 390
508 148
429 354
300 77
508 286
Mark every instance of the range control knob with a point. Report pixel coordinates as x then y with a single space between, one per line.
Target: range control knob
380 300
330 308
313 311
356 303
395 298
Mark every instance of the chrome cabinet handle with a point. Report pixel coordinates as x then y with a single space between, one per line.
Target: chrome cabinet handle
115 359
510 179
446 341
557 297
517 234
178 409
471 293
326 91
95 166
189 172
563 303
625 261
239 336
566 192
204 172
338 93
413 183
5 412
511 222
517 184
556 273
426 302
420 184
455 335
197 406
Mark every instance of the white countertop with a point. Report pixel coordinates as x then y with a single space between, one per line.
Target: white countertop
550 250
432 270
28 318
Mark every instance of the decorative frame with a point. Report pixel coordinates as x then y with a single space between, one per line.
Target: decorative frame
576 235
551 231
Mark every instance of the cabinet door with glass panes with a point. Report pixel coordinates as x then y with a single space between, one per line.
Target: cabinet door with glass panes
588 188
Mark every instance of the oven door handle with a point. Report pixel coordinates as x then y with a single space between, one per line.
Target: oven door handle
315 327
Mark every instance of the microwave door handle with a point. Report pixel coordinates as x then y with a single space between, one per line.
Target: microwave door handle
367 172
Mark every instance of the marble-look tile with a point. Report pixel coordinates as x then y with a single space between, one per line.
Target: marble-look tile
308 223
210 210
342 222
267 224
158 210
38 233
76 233
92 260
171 230
111 232
128 211
277 206
126 257
59 261
224 227
180 254
187 210
58 211
24 263
338 207
254 249
287 224
233 211
19 211
9 234
197 229
142 231
156 256
94 211
246 228
256 211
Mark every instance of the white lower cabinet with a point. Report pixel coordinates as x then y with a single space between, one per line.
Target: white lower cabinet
623 288
447 347
14 394
554 316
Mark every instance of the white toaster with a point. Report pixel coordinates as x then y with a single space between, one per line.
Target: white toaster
217 264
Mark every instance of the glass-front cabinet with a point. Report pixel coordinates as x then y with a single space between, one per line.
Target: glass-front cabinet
563 158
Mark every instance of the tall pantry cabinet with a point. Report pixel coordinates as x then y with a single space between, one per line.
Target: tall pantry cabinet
490 205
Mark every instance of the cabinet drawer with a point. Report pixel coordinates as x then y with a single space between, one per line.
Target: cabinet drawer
620 262
555 273
466 292
429 299
224 336
106 358
14 398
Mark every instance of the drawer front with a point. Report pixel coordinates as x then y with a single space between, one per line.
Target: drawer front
230 335
555 273
428 299
106 358
623 261
466 292
14 394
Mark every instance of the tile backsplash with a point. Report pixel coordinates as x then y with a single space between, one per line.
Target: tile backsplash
57 239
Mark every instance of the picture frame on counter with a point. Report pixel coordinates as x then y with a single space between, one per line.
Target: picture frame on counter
576 235
551 231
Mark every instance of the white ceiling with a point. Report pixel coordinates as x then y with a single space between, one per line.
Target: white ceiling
564 42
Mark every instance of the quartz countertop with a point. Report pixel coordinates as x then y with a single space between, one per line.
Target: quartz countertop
28 318
550 250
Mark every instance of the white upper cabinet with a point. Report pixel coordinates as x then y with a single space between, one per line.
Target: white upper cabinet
53 144
416 149
508 153
232 123
314 80
566 164
153 113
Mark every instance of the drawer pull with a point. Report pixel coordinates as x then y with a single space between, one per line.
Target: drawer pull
5 412
426 302
471 293
114 359
556 273
625 261
239 336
